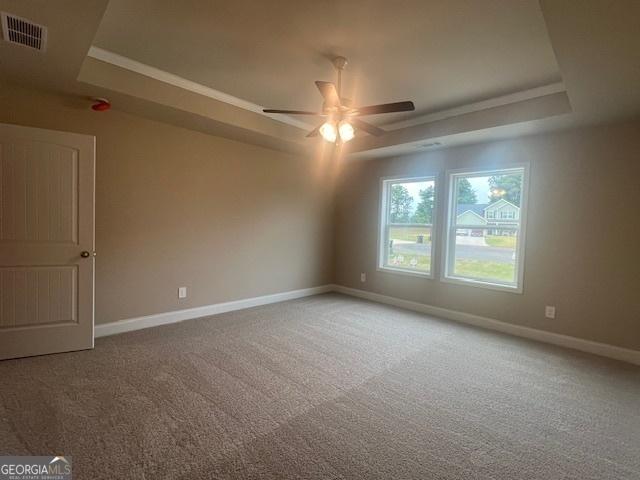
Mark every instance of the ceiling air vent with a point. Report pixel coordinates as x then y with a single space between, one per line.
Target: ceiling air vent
23 32
430 145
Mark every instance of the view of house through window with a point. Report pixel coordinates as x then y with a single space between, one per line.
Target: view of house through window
407 224
484 226
484 232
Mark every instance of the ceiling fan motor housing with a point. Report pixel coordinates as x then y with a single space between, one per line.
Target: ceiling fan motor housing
340 63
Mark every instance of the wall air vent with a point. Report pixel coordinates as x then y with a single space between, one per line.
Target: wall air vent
23 32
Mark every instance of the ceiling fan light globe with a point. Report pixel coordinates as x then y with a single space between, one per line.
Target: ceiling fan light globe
346 131
329 132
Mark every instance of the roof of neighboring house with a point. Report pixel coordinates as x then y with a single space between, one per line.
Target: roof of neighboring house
470 218
500 203
477 208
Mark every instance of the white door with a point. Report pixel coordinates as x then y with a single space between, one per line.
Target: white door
46 241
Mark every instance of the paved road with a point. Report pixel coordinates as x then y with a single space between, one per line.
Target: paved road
467 252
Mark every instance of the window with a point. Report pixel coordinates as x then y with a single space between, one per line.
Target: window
486 251
406 225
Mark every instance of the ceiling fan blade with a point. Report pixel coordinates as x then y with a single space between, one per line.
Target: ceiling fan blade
367 127
290 112
385 108
315 131
329 92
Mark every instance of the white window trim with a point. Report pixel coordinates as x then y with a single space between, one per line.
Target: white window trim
382 223
448 238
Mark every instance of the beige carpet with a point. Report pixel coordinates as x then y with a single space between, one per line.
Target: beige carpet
325 387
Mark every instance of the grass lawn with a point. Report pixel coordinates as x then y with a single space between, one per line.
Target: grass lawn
500 241
404 261
485 270
409 233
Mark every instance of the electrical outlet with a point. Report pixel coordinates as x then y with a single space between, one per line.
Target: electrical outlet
363 277
550 311
182 292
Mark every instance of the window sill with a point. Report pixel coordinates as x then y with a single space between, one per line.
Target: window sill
468 282
402 271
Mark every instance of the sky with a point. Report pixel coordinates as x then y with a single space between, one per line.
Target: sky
479 184
414 189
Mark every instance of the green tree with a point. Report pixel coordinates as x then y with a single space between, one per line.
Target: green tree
424 210
466 193
508 187
401 203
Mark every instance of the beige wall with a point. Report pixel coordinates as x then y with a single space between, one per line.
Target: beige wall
179 208
583 234
230 220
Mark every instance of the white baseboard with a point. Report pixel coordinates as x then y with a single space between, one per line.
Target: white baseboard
147 321
602 349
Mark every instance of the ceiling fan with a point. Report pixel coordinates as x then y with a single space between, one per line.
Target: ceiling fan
342 119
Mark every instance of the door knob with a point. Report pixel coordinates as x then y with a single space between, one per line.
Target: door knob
85 254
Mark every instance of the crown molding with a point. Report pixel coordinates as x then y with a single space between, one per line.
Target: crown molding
180 82
542 91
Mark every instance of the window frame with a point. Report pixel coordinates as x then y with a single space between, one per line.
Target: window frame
449 234
383 213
